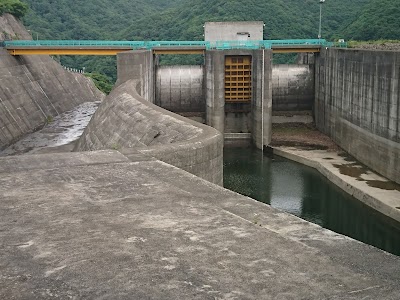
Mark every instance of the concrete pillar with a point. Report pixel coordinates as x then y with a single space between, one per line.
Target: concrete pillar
215 89
262 98
138 65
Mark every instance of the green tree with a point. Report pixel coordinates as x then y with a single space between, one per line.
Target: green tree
14 7
102 82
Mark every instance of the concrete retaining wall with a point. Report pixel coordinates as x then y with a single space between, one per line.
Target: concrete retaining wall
34 89
358 105
128 122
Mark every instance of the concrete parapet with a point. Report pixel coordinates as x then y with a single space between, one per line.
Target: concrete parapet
357 104
125 121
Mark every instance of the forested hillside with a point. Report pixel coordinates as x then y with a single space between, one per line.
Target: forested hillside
380 19
90 19
14 7
284 19
184 20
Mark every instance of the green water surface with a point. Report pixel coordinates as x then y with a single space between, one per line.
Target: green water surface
304 192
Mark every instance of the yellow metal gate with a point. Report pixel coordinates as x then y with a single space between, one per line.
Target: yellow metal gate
237 79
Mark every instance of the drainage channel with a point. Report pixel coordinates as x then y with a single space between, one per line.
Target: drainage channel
304 192
58 135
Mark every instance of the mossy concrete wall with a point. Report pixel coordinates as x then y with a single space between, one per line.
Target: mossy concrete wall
358 105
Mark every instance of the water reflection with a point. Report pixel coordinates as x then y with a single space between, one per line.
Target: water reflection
302 191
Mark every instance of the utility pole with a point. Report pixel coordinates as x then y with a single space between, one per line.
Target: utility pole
37 34
320 18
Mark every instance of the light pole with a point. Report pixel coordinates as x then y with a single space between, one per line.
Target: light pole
320 17
37 34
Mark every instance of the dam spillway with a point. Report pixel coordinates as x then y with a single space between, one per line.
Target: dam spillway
182 88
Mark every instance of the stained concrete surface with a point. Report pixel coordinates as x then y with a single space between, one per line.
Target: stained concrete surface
97 226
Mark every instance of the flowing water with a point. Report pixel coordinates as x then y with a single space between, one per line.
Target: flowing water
62 130
304 192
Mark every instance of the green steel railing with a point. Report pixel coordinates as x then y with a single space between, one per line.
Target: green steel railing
72 43
301 42
229 45
154 44
219 45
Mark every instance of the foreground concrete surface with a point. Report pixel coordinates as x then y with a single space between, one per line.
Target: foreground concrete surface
96 225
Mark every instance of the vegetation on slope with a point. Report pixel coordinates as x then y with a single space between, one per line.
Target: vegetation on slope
90 19
184 20
380 19
14 7
287 19
102 82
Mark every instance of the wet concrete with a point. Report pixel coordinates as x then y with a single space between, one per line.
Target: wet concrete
353 169
58 134
357 170
385 185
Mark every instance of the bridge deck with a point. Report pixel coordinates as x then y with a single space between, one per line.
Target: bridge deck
86 47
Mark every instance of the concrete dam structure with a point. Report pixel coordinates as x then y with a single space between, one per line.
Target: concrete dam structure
356 101
124 216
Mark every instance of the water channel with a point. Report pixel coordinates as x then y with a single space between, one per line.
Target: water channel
64 129
304 192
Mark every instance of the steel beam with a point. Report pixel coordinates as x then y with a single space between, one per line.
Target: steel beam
296 50
63 51
178 51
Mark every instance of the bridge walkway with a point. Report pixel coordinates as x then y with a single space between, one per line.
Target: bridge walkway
88 47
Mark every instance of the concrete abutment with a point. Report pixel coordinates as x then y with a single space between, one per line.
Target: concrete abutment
357 104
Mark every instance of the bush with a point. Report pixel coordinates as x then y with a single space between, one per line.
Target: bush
102 82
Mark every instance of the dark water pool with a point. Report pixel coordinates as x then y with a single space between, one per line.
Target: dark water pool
304 192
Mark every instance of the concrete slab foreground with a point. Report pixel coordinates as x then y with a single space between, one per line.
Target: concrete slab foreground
147 230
